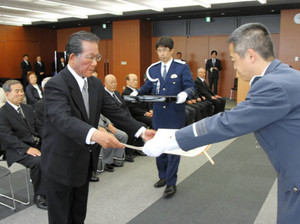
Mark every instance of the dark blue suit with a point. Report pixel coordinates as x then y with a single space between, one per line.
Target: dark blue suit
169 115
272 111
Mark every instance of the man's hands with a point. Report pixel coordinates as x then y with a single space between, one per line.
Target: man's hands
33 152
164 140
148 134
106 140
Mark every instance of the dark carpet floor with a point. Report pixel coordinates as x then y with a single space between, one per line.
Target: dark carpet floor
230 192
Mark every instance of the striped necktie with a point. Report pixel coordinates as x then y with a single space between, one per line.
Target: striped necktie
85 96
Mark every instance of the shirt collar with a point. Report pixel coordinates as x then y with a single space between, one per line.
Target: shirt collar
261 75
13 105
131 88
168 64
201 79
78 78
111 93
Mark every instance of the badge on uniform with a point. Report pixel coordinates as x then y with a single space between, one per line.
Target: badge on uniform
174 76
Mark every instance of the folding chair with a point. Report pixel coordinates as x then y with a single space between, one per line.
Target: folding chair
5 172
235 85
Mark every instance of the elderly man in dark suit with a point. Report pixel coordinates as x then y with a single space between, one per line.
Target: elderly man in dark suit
203 90
20 134
74 100
271 110
213 67
141 111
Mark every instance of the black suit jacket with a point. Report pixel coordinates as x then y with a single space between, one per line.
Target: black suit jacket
138 108
25 68
60 66
203 89
66 156
38 69
32 94
209 65
122 104
16 133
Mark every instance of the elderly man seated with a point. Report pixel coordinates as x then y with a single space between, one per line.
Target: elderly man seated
111 156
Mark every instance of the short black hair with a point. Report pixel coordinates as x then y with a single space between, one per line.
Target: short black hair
214 51
24 55
165 42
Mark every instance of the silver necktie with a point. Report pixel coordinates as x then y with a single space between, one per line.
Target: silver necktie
85 96
21 112
164 72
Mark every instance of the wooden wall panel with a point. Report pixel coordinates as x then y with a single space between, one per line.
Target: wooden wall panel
17 41
145 48
197 48
289 38
104 67
126 49
64 34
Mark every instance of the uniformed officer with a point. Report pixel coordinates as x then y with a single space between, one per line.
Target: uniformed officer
172 78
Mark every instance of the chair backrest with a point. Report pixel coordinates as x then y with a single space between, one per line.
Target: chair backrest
235 83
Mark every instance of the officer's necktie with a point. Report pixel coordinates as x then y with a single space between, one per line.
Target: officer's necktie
116 98
164 72
85 96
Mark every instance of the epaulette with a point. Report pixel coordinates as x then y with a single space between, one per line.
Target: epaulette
179 61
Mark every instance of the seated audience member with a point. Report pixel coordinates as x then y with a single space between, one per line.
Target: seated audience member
39 68
20 134
2 97
33 91
190 114
110 83
109 154
40 104
141 111
203 89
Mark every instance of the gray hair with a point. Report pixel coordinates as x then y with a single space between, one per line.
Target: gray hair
6 86
252 36
45 80
74 44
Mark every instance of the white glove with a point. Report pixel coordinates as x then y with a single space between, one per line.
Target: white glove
164 140
134 93
181 97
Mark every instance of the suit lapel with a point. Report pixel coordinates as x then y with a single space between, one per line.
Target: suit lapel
76 93
12 111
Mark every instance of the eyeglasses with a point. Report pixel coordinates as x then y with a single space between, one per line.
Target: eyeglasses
97 57
162 50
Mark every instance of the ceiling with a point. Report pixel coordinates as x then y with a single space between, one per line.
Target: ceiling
69 13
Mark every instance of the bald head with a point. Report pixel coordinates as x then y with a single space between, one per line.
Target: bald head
110 82
201 72
132 80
